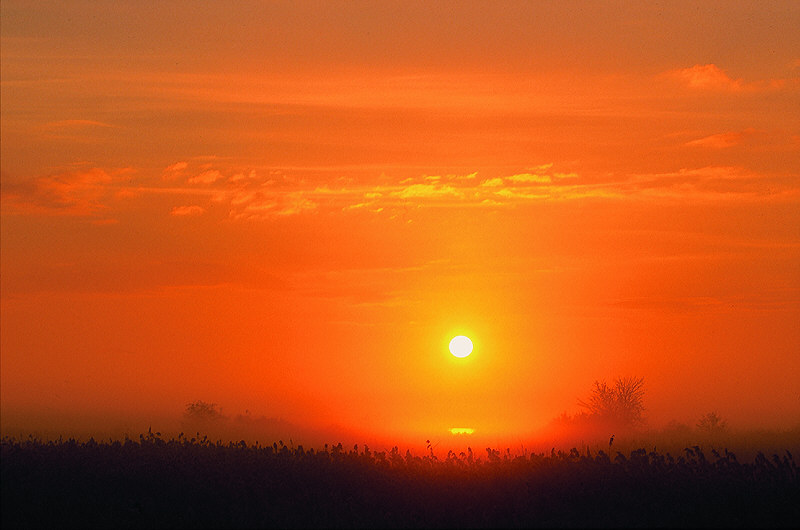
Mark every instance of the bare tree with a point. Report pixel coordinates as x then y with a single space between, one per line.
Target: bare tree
622 403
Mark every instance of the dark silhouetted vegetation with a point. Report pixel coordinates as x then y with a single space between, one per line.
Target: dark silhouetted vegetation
712 423
609 409
197 483
621 404
202 412
202 418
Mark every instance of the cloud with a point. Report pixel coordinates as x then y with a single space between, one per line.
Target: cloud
723 140
529 177
712 183
358 206
416 191
707 77
516 194
81 131
295 204
471 176
177 166
187 211
443 178
74 124
73 193
537 184
717 141
174 171
253 195
262 204
241 177
683 182
492 183
208 176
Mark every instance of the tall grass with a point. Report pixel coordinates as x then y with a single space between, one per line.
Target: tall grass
198 483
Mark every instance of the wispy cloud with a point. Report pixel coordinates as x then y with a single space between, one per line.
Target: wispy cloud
713 183
74 124
263 204
208 176
417 191
73 193
707 76
175 170
530 177
719 141
710 77
77 130
245 193
493 182
187 211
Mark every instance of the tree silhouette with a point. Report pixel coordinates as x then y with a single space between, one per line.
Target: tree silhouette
200 416
200 411
622 403
712 423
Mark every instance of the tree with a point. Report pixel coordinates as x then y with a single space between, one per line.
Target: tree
621 404
712 423
202 411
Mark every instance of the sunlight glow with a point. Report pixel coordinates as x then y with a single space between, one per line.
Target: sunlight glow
461 430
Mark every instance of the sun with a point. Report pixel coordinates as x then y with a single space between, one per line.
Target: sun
460 346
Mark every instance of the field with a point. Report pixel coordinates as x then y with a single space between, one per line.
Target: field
191 483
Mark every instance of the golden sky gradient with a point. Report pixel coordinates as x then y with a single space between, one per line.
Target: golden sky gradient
291 207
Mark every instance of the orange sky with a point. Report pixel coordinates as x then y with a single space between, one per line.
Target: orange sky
291 207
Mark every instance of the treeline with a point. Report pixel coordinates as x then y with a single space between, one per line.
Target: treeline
197 483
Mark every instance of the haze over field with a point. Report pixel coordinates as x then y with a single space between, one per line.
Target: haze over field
290 208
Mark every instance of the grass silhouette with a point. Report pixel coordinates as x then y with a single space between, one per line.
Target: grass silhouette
197 483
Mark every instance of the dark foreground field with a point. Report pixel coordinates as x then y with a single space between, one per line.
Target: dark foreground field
182 483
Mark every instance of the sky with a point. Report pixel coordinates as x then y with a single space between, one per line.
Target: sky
289 208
